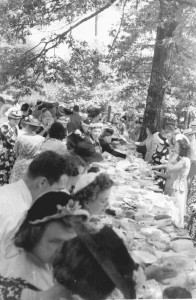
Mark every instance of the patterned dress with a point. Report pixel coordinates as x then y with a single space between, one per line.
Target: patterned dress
8 137
158 158
11 288
25 149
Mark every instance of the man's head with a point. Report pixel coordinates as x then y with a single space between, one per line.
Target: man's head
76 109
46 173
25 109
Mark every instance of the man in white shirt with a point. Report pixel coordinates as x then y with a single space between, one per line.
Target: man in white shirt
47 172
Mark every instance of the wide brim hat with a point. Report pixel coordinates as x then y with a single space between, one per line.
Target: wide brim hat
30 120
96 125
54 205
189 131
87 152
14 114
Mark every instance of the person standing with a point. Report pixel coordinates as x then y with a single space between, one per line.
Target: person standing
75 120
27 146
8 135
149 142
181 169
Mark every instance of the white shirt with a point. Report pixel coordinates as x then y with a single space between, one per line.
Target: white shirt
15 200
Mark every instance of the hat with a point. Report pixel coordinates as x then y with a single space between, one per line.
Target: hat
87 152
189 131
63 120
30 120
13 114
84 180
54 205
96 125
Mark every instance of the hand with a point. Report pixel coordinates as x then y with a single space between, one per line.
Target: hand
160 273
156 172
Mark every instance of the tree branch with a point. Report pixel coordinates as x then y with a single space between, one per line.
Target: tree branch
121 22
54 42
191 3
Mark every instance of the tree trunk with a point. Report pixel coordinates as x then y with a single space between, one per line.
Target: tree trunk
160 74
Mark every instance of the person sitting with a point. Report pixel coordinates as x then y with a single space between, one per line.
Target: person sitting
26 147
30 247
75 120
149 142
48 171
106 143
92 190
26 111
47 120
55 141
79 266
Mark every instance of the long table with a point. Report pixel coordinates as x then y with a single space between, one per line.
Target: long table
143 219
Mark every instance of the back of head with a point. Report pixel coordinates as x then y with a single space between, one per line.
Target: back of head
75 263
48 164
57 131
176 292
25 107
76 108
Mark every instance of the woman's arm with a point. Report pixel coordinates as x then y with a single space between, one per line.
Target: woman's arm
161 174
141 143
159 167
177 167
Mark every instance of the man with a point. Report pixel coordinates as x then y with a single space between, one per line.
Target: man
75 120
47 172
26 111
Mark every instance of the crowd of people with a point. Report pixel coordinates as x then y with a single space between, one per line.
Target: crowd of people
51 186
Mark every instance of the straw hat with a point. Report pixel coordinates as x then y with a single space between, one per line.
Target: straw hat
13 114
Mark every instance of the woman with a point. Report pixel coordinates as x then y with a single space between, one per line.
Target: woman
55 140
92 191
149 142
181 170
29 255
46 119
160 156
27 146
8 135
95 131
106 143
79 266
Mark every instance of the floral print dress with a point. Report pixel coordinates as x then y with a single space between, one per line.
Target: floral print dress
25 149
159 158
8 137
11 288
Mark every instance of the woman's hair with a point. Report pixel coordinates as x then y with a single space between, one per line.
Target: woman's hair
151 128
25 107
73 162
57 131
176 292
74 262
184 148
101 183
